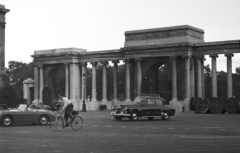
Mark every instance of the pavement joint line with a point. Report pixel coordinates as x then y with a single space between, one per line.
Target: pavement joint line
138 127
154 128
94 125
108 125
187 128
123 126
221 129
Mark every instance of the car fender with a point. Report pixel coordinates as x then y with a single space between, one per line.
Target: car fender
135 110
4 115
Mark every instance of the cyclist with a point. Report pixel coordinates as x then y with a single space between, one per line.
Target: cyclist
66 108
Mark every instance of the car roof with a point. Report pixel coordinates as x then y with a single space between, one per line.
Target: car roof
145 96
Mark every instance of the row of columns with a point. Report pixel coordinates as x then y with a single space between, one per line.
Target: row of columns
74 85
190 76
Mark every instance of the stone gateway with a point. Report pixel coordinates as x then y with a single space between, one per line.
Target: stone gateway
144 52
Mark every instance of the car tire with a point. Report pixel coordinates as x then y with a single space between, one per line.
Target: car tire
43 120
7 120
134 116
150 118
118 118
165 116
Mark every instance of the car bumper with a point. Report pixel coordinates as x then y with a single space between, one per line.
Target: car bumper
115 113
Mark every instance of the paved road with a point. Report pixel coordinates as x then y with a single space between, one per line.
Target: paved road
186 132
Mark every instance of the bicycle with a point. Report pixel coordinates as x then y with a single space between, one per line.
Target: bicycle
59 121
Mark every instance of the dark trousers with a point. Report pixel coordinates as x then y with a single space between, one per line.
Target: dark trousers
68 112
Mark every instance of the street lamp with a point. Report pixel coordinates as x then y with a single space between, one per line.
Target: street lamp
84 104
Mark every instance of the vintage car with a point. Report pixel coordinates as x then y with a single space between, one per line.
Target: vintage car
149 106
25 114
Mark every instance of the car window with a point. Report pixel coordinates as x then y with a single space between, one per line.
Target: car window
22 107
139 101
151 101
159 102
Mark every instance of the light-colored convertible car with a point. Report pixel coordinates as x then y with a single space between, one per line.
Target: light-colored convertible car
25 114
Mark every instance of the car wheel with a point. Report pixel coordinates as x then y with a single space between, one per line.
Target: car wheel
118 118
134 116
43 120
165 116
7 120
150 118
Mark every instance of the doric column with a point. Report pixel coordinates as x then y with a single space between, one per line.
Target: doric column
127 80
187 79
104 100
203 77
139 76
199 78
66 80
36 84
94 85
174 79
94 104
115 81
192 77
214 74
229 75
75 85
41 83
84 79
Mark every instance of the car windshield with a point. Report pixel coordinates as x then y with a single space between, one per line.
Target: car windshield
139 101
22 107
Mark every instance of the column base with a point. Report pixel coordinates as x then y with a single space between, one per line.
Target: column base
77 104
177 105
93 105
186 104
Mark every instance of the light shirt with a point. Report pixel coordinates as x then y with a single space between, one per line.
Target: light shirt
66 102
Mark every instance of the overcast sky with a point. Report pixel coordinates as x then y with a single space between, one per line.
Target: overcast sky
100 24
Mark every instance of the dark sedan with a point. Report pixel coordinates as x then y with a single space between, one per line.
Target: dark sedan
149 106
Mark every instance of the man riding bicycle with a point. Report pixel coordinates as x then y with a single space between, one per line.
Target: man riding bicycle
67 108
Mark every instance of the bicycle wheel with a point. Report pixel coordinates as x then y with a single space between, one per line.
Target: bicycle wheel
77 123
56 124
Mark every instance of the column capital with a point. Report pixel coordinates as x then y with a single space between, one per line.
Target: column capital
173 57
65 64
40 65
229 55
94 63
187 56
213 55
201 57
127 60
83 63
104 63
137 59
116 61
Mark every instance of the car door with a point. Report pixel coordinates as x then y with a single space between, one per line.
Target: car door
31 116
159 106
149 109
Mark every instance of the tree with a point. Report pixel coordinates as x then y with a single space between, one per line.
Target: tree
238 70
17 72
